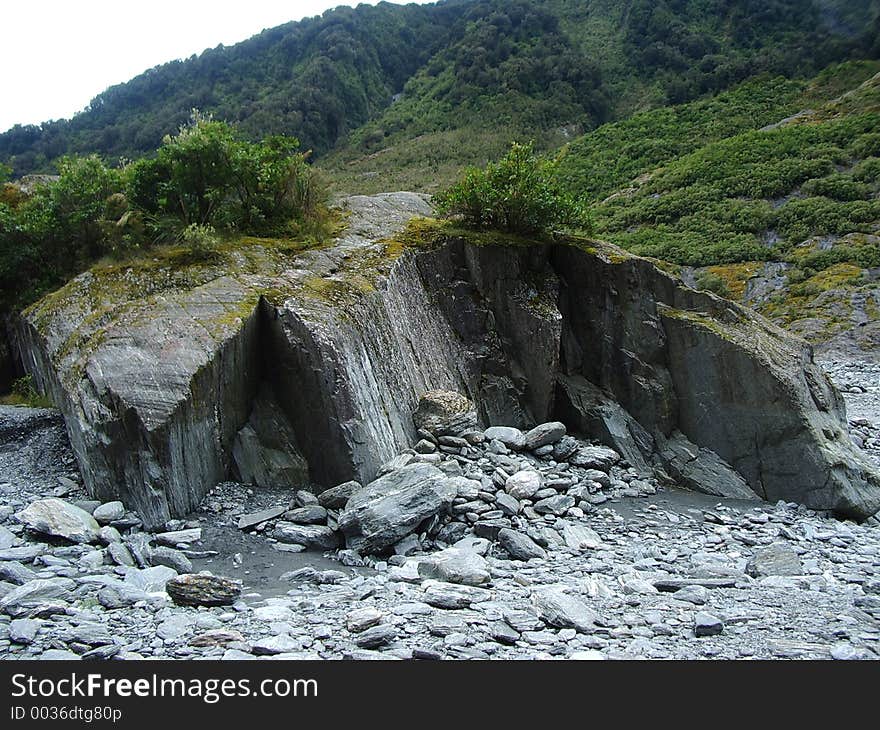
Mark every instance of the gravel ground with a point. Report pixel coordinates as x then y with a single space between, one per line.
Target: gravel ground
666 575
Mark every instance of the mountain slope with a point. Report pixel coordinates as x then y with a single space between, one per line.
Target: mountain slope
541 68
784 214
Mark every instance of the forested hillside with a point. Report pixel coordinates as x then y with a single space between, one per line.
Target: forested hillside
399 89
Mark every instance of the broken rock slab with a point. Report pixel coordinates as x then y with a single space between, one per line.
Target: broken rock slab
257 518
388 509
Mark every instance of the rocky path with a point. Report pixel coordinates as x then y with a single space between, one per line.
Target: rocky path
646 573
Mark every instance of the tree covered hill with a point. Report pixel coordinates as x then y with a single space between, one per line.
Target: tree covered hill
422 80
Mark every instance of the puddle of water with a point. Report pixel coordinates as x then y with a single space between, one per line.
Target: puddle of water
261 564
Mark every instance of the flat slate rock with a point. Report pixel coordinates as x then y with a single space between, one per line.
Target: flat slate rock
257 518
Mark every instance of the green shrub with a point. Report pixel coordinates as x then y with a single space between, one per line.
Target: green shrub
201 241
24 393
518 194
707 281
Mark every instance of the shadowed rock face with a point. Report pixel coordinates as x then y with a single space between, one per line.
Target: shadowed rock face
347 338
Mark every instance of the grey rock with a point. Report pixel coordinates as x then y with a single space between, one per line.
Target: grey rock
578 537
509 505
174 538
776 559
174 627
57 518
361 619
196 589
558 608
512 438
503 633
557 505
170 558
312 515
109 512
61 655
544 434
520 546
120 554
149 580
595 457
108 535
456 565
313 537
120 595
24 553
376 636
23 630
14 572
389 508
35 592
337 497
696 594
7 538
702 470
707 624
452 596
253 519
265 452
524 484
279 644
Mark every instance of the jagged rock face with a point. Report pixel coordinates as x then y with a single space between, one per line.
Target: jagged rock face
605 342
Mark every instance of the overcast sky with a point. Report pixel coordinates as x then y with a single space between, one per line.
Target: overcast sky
59 54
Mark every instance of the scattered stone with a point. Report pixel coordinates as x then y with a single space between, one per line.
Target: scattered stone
512 438
245 522
544 435
313 514
35 592
520 546
362 619
706 624
776 559
452 596
337 497
109 512
389 508
558 608
312 537
23 630
196 589
57 518
376 636
524 484
456 565
174 538
170 558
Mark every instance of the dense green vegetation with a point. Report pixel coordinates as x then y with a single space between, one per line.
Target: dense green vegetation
203 183
518 194
751 195
466 77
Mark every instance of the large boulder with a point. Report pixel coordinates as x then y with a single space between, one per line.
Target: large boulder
57 518
391 507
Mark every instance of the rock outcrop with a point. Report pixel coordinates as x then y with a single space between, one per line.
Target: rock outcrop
159 375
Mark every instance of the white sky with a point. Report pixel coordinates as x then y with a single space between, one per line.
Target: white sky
59 54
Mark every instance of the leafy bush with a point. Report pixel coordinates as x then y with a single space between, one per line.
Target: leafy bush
518 194
707 281
24 393
201 241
